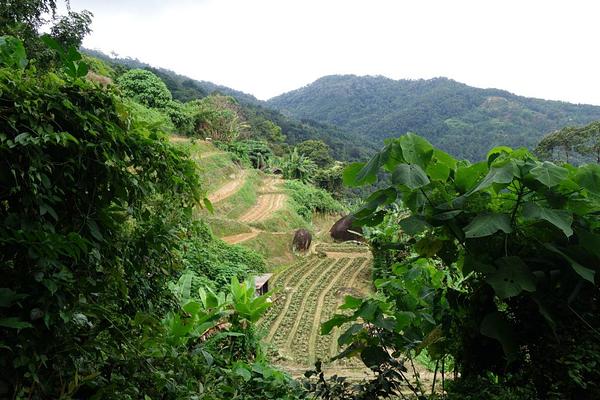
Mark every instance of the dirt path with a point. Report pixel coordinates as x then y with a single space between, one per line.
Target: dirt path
228 189
241 237
268 202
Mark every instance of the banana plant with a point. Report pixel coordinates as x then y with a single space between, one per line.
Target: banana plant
207 310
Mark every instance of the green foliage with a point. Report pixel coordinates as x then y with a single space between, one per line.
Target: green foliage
572 144
500 262
298 166
72 64
317 151
309 199
144 87
70 29
92 209
217 117
214 259
148 119
181 116
461 120
255 153
12 52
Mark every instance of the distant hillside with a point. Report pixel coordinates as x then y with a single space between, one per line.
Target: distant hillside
346 146
462 120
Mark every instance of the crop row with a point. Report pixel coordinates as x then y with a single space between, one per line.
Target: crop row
305 349
291 329
307 295
281 281
342 248
299 285
326 305
326 346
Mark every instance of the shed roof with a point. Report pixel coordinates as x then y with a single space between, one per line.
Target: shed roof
260 280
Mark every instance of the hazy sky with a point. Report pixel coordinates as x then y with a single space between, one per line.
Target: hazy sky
546 49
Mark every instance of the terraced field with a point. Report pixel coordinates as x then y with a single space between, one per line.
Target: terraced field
308 294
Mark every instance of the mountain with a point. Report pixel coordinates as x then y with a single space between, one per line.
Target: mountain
463 120
346 146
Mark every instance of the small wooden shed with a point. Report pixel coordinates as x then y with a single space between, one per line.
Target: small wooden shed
261 283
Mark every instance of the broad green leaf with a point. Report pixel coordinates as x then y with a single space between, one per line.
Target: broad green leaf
468 176
336 320
94 230
208 205
412 176
413 225
243 372
503 174
586 273
496 152
379 198
562 219
428 247
488 224
8 297
438 171
351 302
588 176
511 278
496 326
192 307
444 158
374 356
446 215
549 174
590 241
14 323
416 150
392 154
351 173
346 337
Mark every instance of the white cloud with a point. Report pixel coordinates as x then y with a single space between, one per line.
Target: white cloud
265 47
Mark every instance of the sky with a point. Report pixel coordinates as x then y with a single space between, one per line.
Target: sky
545 49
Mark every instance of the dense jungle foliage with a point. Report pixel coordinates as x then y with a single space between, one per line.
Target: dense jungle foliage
110 288
461 120
260 119
489 267
572 144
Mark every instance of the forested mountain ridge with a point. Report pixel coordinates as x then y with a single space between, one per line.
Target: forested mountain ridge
460 119
346 146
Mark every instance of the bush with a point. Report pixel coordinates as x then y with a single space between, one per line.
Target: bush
256 153
309 199
181 116
216 260
145 87
92 209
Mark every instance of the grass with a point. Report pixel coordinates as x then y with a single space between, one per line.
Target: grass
275 247
222 227
216 170
283 220
241 201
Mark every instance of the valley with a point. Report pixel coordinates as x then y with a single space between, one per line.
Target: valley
309 288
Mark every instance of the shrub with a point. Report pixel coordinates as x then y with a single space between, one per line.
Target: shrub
92 208
145 87
309 199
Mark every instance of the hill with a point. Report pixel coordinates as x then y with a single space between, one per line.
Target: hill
346 146
462 120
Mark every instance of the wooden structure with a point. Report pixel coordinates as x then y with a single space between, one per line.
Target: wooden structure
261 283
